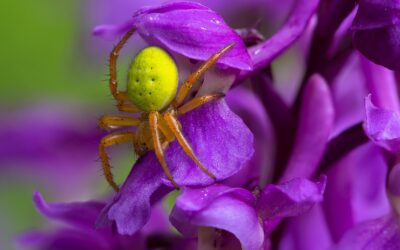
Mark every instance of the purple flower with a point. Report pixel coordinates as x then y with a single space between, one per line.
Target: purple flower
225 207
238 211
187 28
77 229
381 233
269 197
222 142
59 154
376 31
220 139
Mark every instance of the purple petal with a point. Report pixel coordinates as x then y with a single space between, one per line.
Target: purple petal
381 233
382 126
376 32
291 198
381 84
394 180
65 239
245 103
356 182
220 207
315 125
187 28
264 53
301 232
376 14
220 140
79 214
348 91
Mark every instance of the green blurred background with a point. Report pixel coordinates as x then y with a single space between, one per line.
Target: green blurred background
44 59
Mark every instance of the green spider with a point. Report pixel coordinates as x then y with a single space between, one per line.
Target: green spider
152 92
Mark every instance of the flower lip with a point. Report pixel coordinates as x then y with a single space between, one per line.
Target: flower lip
189 29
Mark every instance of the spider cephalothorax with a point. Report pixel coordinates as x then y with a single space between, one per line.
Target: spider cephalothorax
151 91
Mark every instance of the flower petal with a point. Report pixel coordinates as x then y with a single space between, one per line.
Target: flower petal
381 84
381 233
301 232
314 128
376 32
356 182
220 207
189 29
291 198
79 214
220 140
248 106
394 180
262 54
382 126
348 98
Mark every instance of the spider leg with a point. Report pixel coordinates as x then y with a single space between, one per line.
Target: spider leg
113 83
174 126
106 122
197 102
153 117
193 77
107 141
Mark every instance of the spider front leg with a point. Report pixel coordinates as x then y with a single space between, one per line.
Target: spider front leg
174 126
154 120
195 76
107 141
197 102
113 83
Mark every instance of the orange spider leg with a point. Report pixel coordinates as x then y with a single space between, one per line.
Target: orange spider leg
107 141
163 127
193 77
197 102
113 83
153 118
106 122
174 126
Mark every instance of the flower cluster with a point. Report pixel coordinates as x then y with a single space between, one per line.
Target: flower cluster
303 146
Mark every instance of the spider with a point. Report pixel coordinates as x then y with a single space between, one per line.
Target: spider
152 92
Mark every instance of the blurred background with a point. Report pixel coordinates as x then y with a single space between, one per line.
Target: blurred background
53 89
52 92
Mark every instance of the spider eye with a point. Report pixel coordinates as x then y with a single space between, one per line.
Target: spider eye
152 79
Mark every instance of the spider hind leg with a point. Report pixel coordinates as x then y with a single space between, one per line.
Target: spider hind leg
107 141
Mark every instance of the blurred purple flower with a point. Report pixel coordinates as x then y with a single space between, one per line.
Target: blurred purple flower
376 31
77 229
60 153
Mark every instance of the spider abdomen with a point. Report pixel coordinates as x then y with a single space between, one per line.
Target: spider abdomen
152 79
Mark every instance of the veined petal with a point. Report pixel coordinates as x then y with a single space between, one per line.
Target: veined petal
189 29
220 207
